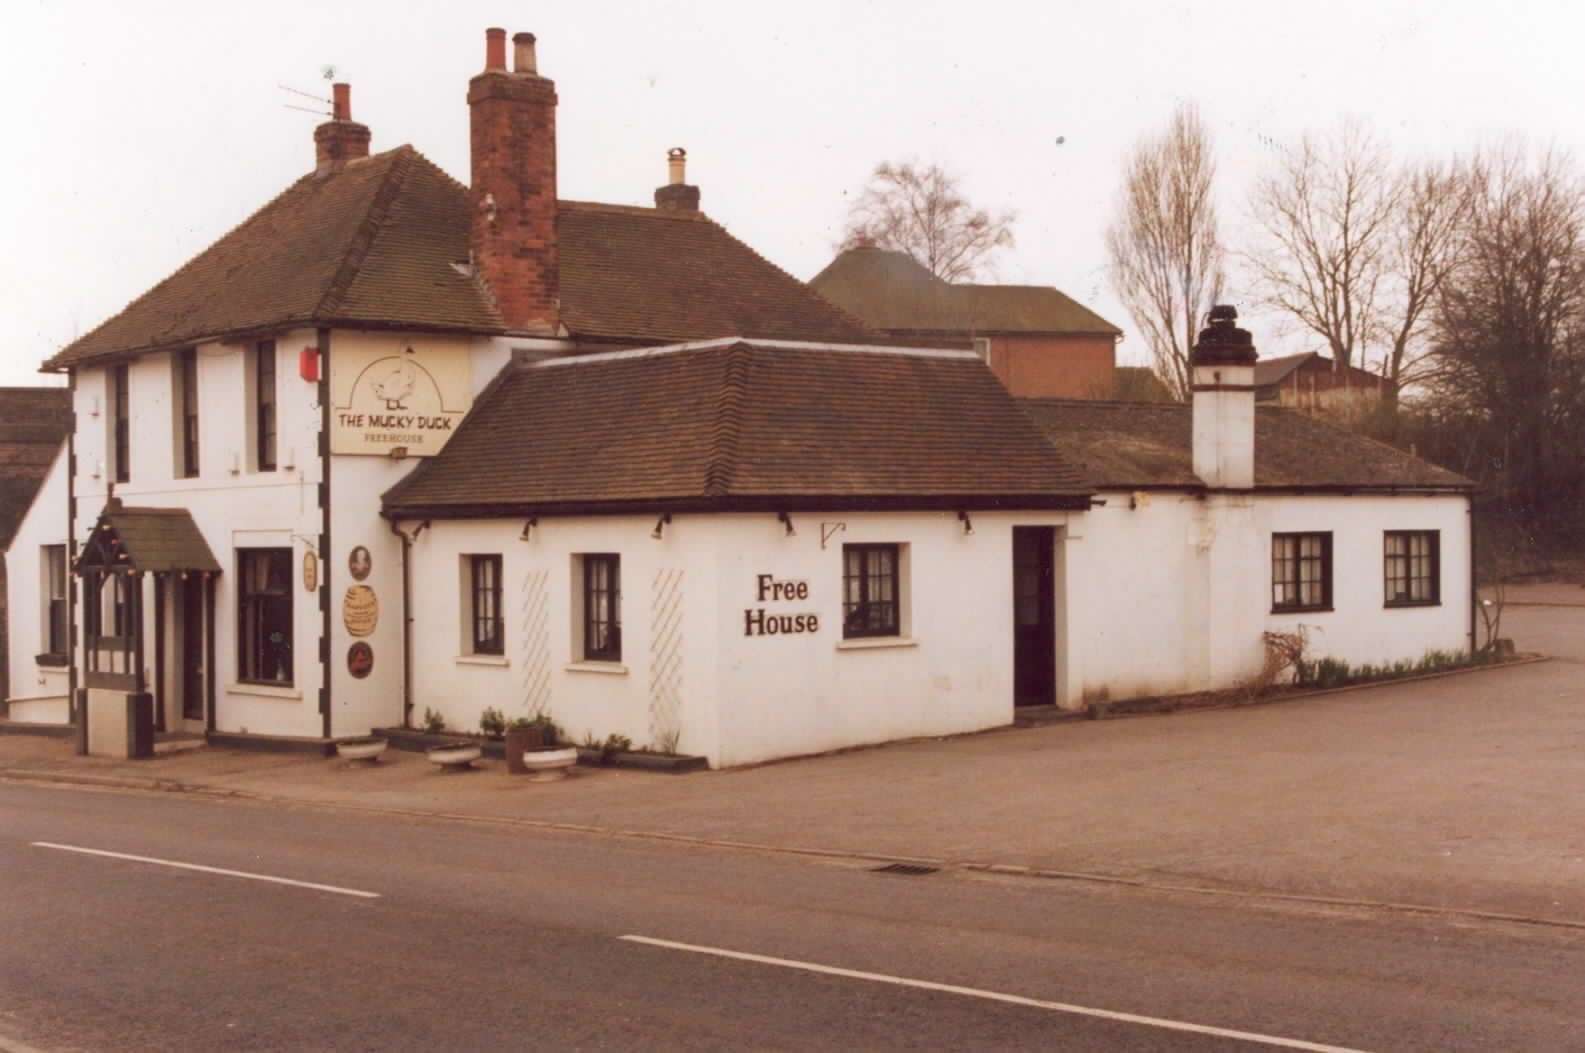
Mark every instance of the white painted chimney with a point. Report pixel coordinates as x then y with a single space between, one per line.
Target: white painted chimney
1223 365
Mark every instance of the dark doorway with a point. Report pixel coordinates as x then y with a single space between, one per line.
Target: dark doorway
1034 616
190 652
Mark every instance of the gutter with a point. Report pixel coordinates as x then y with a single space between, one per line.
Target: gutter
1077 501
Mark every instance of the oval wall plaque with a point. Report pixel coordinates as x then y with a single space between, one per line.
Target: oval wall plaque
310 570
359 563
360 610
360 660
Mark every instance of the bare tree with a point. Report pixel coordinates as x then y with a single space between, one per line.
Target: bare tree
1164 251
1509 328
1327 213
1427 234
921 210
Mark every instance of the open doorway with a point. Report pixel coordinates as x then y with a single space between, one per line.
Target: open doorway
1034 616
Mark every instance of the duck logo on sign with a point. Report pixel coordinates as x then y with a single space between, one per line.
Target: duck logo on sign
409 399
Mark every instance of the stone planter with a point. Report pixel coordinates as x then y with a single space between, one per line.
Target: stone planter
549 765
455 757
366 748
520 741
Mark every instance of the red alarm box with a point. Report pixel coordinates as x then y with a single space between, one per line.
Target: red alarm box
308 364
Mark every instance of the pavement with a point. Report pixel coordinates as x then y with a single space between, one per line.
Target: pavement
144 922
1465 793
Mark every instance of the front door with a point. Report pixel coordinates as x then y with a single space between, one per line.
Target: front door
1034 616
190 646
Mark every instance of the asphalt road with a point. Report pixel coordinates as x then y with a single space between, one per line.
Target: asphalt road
432 934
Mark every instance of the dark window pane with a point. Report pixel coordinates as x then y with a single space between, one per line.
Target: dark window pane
264 405
869 590
264 617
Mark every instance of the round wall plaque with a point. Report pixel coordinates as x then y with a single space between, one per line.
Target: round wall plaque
359 562
360 610
360 660
310 570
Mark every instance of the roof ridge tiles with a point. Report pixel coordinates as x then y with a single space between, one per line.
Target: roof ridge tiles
728 426
372 226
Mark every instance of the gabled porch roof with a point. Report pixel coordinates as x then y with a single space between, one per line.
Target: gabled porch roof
147 540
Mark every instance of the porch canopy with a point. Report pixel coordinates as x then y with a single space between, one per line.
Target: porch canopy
127 543
146 541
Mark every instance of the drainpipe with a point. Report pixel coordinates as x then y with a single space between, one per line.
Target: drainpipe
407 619
1474 591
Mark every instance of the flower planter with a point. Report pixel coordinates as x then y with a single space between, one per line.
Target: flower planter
366 748
520 741
455 757
549 765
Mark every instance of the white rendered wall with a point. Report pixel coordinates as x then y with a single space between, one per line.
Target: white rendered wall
234 505
1177 591
738 699
670 581
38 692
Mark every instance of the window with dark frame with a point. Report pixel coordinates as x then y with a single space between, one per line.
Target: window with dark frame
1412 573
264 615
870 591
485 575
56 584
120 424
1301 572
264 404
187 401
602 608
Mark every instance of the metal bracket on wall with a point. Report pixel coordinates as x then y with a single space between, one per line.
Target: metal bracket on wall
829 531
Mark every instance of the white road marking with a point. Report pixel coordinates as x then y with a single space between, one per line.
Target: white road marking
998 996
210 870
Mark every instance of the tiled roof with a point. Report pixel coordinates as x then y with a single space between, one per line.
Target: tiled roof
156 540
663 275
378 243
374 241
890 291
735 424
1127 445
33 424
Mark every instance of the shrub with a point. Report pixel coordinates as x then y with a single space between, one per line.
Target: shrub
433 722
492 722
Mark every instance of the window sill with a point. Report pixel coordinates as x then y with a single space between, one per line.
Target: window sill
876 643
483 659
265 691
1303 610
1391 604
605 668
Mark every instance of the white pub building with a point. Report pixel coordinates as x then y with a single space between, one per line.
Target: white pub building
397 445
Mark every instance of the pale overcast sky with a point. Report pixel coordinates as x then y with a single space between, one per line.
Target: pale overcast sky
137 133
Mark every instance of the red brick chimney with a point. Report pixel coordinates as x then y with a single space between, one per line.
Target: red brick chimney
513 132
340 139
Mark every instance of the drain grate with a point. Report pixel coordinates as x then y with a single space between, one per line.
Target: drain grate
908 869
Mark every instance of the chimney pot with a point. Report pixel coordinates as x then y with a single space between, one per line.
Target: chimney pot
340 139
523 60
677 195
495 49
